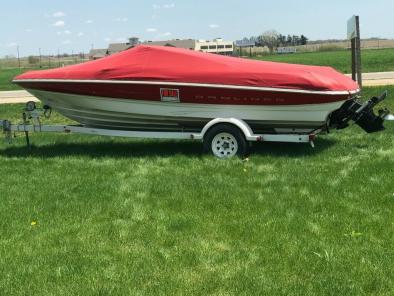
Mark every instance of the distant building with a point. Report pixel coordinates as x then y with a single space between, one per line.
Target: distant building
134 41
246 42
218 45
96 54
118 47
113 48
180 43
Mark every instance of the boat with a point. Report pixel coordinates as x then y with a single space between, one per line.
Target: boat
157 88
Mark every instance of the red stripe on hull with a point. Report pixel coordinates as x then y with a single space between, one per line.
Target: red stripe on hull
187 94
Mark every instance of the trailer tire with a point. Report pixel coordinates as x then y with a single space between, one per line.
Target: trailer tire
225 141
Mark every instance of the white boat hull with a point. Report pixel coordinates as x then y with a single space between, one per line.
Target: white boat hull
130 114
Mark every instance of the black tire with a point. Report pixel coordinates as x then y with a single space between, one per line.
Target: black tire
238 136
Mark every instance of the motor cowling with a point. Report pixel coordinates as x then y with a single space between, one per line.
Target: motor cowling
361 113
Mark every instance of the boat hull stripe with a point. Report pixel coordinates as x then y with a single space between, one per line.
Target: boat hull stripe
229 95
270 89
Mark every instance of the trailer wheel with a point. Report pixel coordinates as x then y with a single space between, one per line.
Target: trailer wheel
225 141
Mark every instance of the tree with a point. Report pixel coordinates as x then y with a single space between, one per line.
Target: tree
304 40
269 39
32 60
296 40
272 39
281 40
289 40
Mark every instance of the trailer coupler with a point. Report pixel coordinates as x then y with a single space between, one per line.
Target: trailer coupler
362 114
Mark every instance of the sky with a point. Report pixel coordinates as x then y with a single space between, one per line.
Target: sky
69 26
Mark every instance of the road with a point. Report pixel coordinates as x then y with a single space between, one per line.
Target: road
16 96
378 79
369 79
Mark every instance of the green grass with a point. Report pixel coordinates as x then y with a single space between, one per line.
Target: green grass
374 60
6 76
147 217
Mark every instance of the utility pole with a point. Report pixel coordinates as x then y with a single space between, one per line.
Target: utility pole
73 56
58 56
39 52
358 48
354 36
19 60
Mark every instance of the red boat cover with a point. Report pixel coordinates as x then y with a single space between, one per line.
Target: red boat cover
158 63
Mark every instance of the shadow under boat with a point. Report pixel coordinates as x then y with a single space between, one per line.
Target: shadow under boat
154 148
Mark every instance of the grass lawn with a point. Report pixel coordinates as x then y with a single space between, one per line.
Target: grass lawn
6 76
87 215
373 60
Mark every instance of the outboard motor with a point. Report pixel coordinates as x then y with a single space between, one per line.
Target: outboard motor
362 114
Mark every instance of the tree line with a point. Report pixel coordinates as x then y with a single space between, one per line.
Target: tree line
272 39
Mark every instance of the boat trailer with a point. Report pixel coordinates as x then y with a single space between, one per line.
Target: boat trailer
225 137
32 123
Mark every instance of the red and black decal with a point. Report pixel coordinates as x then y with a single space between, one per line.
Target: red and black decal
169 94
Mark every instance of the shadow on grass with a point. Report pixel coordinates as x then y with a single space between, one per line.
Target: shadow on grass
156 148
292 149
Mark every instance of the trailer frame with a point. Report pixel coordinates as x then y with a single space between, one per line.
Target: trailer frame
32 123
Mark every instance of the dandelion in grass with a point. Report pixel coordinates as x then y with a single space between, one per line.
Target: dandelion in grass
33 223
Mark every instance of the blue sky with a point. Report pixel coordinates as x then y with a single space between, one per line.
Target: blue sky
75 25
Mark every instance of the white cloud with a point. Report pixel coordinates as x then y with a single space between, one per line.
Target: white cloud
107 39
66 41
59 24
65 32
80 34
59 14
122 19
167 34
151 30
121 39
214 26
11 44
28 30
89 22
169 5
165 6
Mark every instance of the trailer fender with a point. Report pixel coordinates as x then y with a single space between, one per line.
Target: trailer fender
239 123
